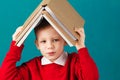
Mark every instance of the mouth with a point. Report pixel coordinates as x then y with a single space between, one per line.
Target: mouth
51 53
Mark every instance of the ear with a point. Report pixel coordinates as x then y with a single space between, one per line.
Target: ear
36 43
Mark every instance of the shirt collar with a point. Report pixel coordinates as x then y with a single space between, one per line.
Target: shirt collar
61 60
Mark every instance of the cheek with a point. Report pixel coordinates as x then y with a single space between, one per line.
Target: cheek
60 46
42 48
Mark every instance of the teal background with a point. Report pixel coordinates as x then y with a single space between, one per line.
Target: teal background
102 28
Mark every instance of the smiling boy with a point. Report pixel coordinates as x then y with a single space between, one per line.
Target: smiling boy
55 63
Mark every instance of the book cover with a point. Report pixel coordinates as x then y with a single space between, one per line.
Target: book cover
61 13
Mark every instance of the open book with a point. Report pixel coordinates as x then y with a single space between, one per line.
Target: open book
60 14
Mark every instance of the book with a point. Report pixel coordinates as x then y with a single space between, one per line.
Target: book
60 14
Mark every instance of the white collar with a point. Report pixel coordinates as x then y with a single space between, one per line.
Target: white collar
61 60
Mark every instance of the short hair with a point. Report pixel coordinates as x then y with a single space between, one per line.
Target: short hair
41 25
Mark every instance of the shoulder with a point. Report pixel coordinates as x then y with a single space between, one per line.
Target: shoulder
73 54
35 59
33 62
73 57
82 51
77 55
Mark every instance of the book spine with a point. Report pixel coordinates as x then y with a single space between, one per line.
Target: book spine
54 26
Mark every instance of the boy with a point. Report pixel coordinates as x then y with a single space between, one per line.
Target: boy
54 64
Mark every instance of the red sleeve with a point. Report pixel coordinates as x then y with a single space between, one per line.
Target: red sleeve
9 71
86 66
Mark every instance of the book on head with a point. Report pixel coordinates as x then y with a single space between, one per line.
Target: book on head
60 14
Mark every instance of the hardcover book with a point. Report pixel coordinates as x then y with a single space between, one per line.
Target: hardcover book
60 14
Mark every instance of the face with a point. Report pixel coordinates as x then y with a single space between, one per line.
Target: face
50 43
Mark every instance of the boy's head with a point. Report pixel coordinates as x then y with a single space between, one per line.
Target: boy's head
48 41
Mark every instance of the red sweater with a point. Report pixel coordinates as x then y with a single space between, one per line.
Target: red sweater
78 67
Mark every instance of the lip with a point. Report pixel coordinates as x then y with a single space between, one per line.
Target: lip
51 53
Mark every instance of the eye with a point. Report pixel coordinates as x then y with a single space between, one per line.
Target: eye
55 40
44 41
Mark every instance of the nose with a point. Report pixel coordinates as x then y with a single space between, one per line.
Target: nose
50 45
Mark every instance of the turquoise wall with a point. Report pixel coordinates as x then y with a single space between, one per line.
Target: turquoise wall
102 31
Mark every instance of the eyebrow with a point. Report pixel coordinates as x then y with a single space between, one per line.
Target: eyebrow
56 36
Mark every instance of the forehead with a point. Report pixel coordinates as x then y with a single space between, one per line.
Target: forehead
48 31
